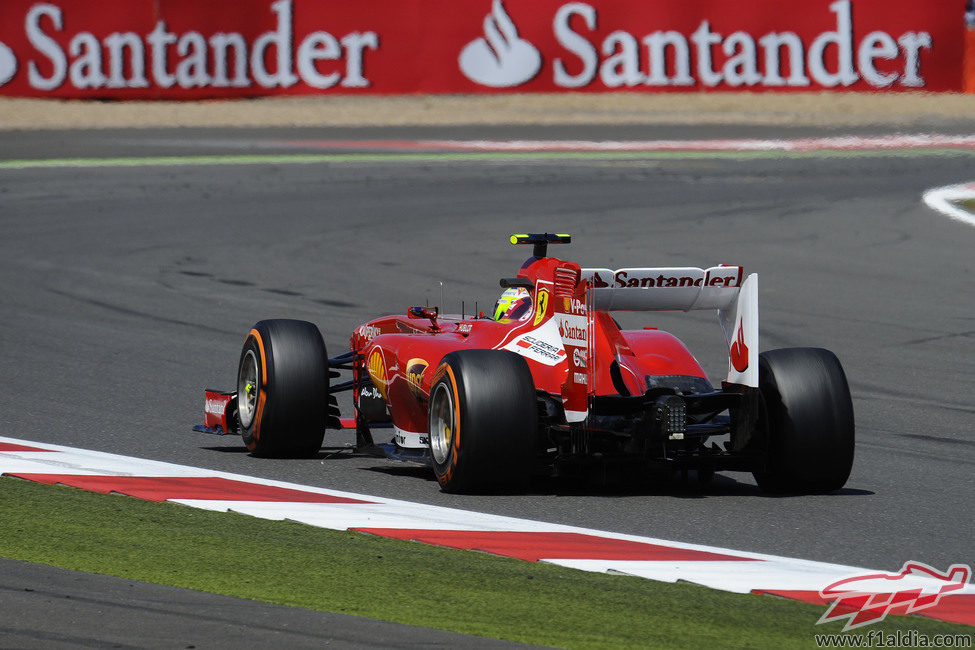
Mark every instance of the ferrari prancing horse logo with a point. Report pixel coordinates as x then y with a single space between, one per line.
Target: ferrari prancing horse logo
541 307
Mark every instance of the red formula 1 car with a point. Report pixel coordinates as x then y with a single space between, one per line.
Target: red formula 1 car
552 385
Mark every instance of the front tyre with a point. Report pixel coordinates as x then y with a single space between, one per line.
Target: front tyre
809 421
282 389
483 420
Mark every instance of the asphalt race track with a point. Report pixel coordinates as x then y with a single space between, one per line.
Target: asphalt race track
49 608
126 290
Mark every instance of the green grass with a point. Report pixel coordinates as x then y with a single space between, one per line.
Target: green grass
406 582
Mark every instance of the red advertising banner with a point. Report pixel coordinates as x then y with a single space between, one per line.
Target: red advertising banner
180 49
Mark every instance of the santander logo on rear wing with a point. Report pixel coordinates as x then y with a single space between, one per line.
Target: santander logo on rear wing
722 288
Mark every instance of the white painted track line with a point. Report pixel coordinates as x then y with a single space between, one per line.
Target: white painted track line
943 200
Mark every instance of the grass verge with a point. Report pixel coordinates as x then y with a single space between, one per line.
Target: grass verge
406 582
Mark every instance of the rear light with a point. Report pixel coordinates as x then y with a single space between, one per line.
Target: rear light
671 413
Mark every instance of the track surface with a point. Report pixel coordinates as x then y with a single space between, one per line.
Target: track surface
126 291
48 608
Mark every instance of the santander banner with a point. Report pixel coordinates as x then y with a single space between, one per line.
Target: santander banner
181 49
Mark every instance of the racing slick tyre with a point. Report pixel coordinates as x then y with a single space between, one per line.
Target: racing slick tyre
809 417
282 389
483 421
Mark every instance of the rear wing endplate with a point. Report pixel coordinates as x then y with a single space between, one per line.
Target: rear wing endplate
722 288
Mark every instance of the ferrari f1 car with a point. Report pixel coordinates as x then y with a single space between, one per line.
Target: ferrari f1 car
552 385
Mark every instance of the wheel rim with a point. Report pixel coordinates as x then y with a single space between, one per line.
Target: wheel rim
247 389
442 426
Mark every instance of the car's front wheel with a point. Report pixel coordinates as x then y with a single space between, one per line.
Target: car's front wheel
282 389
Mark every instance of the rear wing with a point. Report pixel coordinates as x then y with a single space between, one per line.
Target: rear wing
722 288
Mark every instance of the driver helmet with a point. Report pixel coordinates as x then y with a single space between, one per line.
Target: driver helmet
514 303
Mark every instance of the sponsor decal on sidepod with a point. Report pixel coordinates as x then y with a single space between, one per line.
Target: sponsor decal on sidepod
574 330
543 345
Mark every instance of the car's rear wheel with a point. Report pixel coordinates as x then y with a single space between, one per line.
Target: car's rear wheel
282 389
809 421
483 421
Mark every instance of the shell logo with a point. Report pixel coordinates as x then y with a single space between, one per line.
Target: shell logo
377 371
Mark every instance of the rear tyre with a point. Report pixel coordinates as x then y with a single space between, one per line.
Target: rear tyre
282 389
483 420
809 421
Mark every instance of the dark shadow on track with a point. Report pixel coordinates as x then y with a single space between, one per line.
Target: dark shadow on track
413 471
622 486
228 449
842 492
689 486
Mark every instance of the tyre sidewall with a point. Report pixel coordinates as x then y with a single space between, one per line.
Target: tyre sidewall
495 421
254 343
810 422
446 472
292 405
